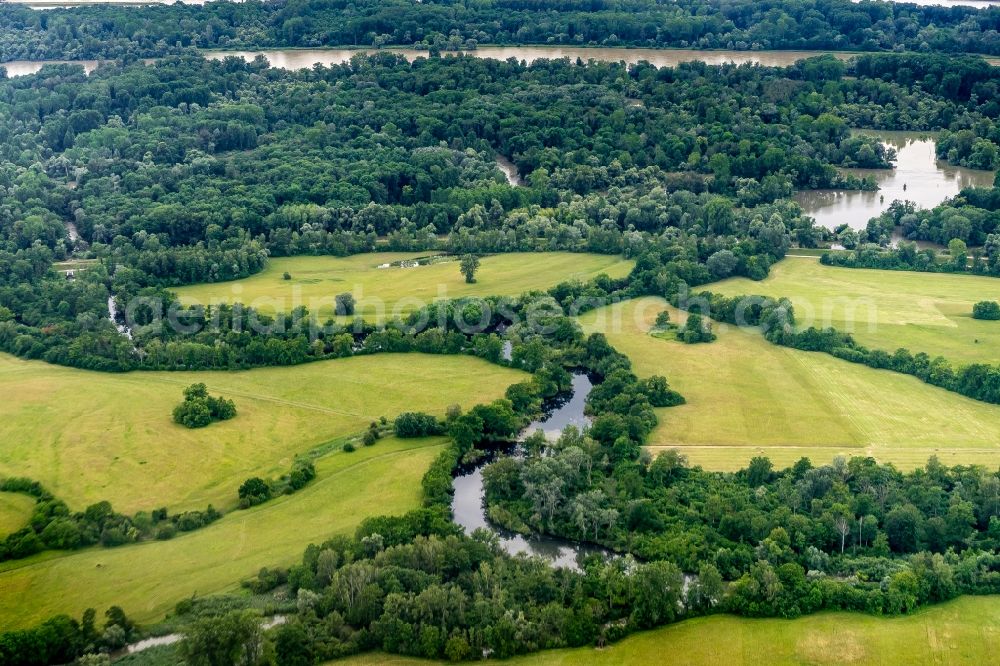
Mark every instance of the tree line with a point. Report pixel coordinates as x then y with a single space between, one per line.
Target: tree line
776 317
851 535
133 32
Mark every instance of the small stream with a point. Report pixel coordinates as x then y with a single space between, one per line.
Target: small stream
71 232
170 639
113 314
469 503
510 171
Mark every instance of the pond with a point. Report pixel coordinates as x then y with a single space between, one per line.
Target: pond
918 177
469 503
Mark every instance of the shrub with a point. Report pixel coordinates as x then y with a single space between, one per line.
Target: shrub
167 531
695 330
200 409
989 310
303 471
345 304
663 321
416 424
193 414
254 491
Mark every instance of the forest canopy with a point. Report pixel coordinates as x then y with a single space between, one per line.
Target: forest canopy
108 31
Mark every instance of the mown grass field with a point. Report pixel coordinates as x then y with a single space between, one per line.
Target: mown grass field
385 292
747 397
964 631
91 436
15 510
149 578
924 312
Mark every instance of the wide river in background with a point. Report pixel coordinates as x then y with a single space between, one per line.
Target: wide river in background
304 58
307 58
53 4
918 177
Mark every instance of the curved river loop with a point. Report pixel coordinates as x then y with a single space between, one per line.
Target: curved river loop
469 503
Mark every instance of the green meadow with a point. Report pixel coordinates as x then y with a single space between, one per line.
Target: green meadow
965 631
394 290
15 510
747 397
149 578
90 436
924 312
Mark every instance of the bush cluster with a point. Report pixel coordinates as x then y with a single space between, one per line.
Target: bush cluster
200 409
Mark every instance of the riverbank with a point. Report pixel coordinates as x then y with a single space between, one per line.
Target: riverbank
301 58
468 504
661 57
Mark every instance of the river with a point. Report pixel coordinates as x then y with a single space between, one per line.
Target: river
307 58
53 4
469 503
25 67
918 177
510 171
113 315
304 58
170 639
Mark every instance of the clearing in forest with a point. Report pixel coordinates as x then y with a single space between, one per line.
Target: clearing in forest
923 312
92 436
748 397
387 284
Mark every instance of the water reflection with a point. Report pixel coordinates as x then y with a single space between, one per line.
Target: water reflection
469 503
918 177
564 410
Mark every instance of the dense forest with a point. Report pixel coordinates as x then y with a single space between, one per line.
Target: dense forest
120 185
181 171
117 32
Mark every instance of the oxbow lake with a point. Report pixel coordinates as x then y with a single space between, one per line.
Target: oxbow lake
469 503
918 177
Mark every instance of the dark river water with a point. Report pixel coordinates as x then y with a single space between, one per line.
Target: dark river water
469 508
